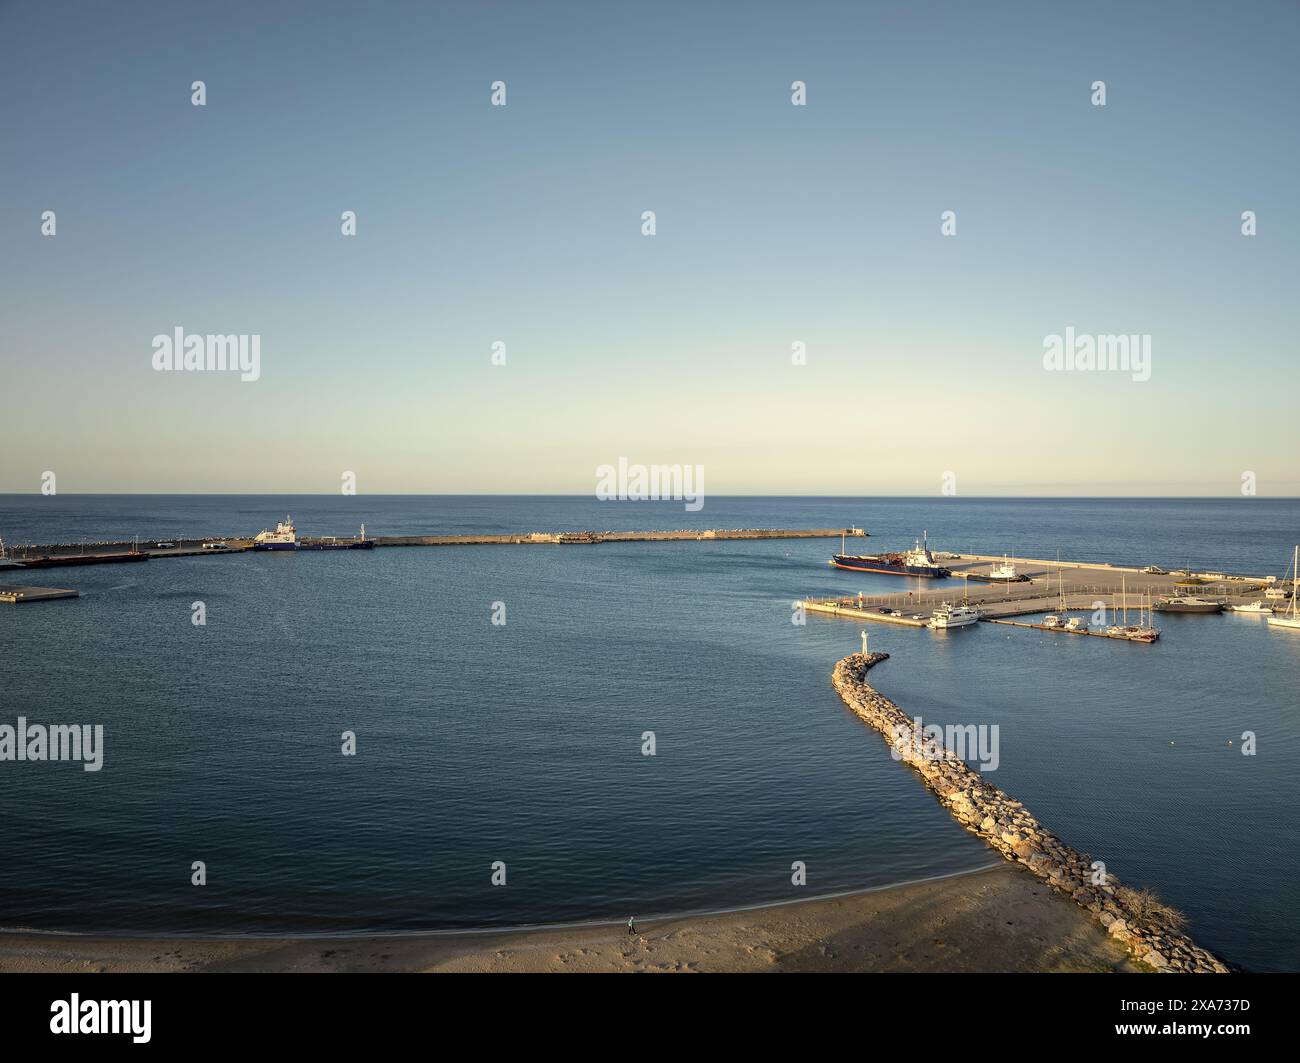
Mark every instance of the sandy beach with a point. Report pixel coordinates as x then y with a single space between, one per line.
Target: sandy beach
999 919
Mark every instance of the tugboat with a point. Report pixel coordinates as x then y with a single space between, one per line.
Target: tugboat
915 562
1006 573
285 537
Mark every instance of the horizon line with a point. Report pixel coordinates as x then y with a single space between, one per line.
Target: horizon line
668 501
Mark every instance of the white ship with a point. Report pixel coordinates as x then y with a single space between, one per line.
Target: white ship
1005 572
954 616
1292 619
1253 607
285 537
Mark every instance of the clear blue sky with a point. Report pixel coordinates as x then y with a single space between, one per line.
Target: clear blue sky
775 224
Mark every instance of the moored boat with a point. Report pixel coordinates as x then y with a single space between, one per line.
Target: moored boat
1006 573
1292 619
918 561
329 542
1187 604
285 537
1143 631
5 560
947 616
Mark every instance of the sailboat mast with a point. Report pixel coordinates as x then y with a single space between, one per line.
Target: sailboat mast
1295 580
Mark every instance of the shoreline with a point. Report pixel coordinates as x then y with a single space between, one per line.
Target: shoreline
475 931
1133 918
994 919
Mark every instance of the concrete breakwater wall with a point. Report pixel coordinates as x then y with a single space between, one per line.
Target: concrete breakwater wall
1008 827
183 545
675 535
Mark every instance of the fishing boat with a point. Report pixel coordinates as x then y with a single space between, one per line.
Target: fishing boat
5 560
1076 623
1253 608
1290 619
1052 620
947 616
1003 573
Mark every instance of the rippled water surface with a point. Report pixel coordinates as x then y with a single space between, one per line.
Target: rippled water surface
522 743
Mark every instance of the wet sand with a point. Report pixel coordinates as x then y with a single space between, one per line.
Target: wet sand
999 919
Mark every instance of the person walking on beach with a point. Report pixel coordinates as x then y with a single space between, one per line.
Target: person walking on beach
631 924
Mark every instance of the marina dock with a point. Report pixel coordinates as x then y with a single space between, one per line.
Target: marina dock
1069 631
24 595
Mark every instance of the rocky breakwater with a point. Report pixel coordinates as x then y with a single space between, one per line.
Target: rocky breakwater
1132 917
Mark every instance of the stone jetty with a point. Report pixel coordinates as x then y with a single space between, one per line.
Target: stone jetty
1006 825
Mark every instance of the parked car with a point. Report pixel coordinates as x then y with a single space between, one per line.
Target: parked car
1155 570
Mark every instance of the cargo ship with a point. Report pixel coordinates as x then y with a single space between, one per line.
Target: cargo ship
285 537
329 542
915 562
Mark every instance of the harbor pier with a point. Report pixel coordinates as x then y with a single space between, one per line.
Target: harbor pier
51 554
1057 587
23 595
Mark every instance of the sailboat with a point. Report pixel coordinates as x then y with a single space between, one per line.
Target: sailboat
1053 620
1291 619
1142 631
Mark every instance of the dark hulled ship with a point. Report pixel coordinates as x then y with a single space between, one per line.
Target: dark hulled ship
915 562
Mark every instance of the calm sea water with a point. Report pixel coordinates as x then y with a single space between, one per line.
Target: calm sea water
522 743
